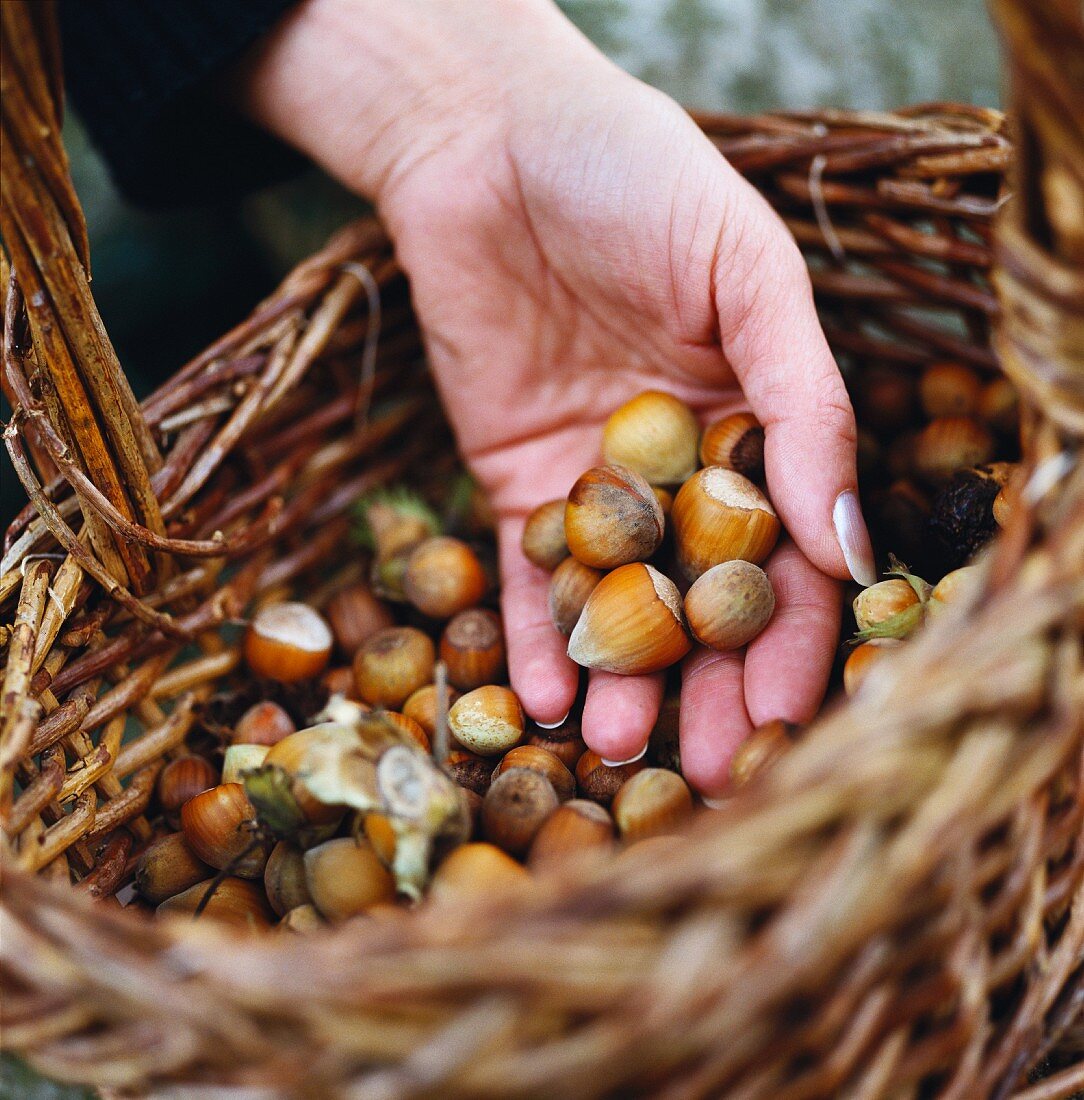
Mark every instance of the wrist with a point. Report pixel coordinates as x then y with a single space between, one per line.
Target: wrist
369 88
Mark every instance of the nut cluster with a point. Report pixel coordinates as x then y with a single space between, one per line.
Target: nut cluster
658 549
651 520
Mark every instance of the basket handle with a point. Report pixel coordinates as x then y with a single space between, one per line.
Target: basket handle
61 372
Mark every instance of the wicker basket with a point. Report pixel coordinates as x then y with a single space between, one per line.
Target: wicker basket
896 911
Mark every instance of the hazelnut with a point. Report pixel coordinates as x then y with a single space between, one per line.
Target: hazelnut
304 919
345 877
219 826
653 802
392 664
239 759
600 782
287 642
488 720
544 535
999 406
885 600
515 807
949 389
410 727
575 827
543 762
735 442
654 434
949 443
284 878
863 659
422 706
633 623
168 867
469 770
886 399
264 723
290 755
564 742
183 779
232 901
443 575
954 587
612 518
729 605
756 754
477 870
718 516
571 584
472 649
356 614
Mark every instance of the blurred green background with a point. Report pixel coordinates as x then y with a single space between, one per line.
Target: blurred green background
169 283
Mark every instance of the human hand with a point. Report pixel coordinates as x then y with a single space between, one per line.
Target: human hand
573 239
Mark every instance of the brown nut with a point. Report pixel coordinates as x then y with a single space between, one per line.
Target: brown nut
287 642
345 877
488 720
570 586
233 901
735 442
469 770
422 706
883 601
515 807
949 389
443 576
600 782
543 762
472 649
612 518
575 827
356 615
340 681
953 587
729 605
183 779
863 659
718 516
265 723
887 399
410 727
653 802
168 867
756 754
392 665
632 623
949 443
654 434
544 536
284 879
219 826
999 406
477 870
564 742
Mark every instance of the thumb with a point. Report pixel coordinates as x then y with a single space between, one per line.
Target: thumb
772 339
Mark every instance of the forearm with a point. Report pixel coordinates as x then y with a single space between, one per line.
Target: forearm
367 88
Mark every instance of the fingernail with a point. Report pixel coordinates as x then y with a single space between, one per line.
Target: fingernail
854 538
714 803
553 725
631 759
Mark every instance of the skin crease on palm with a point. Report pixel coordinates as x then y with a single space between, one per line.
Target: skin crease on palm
573 239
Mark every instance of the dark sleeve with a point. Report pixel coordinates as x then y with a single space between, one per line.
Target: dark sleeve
138 73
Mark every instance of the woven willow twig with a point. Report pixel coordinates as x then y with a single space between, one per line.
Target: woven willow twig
896 910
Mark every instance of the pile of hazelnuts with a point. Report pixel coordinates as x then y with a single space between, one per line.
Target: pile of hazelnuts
657 549
669 503
532 795
937 456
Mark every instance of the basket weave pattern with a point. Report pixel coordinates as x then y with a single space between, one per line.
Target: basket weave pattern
898 909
